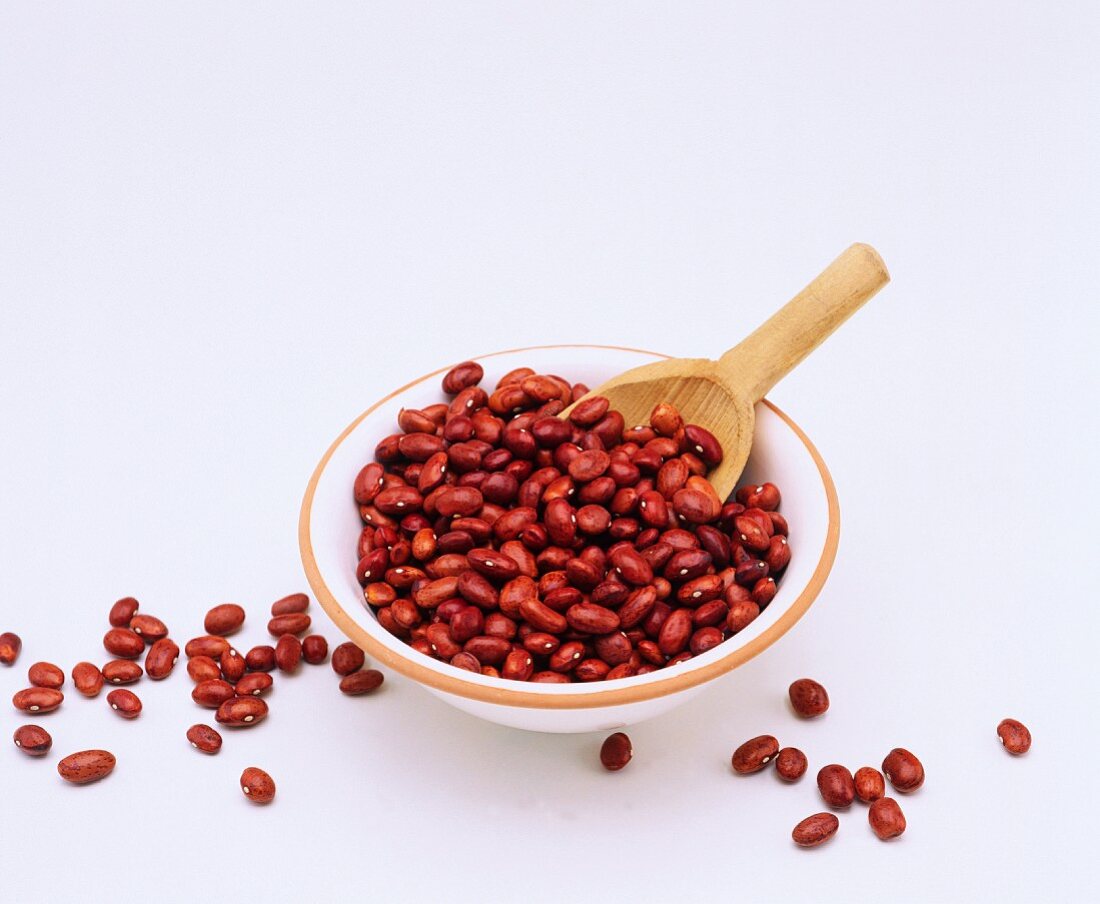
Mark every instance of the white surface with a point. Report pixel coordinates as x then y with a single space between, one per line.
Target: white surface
226 228
778 454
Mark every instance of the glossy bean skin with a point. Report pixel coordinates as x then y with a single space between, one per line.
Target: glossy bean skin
616 752
257 785
1014 736
815 830
33 740
903 770
204 739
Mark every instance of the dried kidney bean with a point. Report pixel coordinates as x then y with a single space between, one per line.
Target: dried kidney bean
224 619
33 740
125 703
869 783
491 519
87 679
46 674
886 819
755 754
1014 736
10 645
616 752
204 738
790 763
815 830
364 682
257 785
903 770
837 787
808 698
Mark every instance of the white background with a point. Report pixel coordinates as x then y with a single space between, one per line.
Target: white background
226 229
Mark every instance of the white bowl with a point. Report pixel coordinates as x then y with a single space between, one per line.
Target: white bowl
329 528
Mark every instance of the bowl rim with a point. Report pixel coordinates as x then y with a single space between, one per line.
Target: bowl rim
600 694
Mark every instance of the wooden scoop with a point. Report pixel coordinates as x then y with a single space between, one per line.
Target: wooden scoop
720 395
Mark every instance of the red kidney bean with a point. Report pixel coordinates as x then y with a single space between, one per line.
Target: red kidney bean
253 684
258 659
241 712
46 674
314 649
886 819
224 619
462 376
212 693
122 671
347 658
37 700
903 770
204 738
87 678
288 653
1015 738
149 627
162 658
836 785
206 646
359 683
33 740
295 602
124 643
588 618
616 751
125 703
86 766
122 612
257 785
755 754
869 783
790 763
232 665
815 830
808 698
675 632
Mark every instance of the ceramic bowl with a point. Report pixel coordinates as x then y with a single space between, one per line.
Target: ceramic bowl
329 528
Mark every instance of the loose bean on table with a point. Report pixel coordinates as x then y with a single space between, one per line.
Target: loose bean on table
903 770
86 766
1014 736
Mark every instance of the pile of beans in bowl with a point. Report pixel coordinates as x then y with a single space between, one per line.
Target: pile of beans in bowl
506 540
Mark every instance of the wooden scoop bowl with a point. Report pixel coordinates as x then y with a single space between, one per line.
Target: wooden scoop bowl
720 395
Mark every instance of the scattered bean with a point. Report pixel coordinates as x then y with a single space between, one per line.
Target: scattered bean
87 679
204 738
33 740
125 703
791 764
224 619
886 819
364 682
815 830
808 698
755 754
616 752
903 770
257 785
1014 736
46 674
870 785
837 787
86 766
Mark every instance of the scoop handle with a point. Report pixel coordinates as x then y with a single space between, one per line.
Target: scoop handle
767 355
